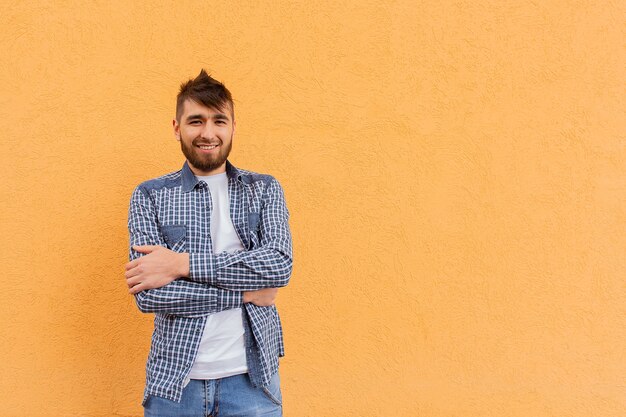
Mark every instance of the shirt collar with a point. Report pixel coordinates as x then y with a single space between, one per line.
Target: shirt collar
189 179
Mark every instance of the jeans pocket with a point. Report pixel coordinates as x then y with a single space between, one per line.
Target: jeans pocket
272 391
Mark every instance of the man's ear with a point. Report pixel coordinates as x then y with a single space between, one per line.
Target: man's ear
176 127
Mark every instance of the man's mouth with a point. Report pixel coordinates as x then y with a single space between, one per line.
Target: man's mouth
207 147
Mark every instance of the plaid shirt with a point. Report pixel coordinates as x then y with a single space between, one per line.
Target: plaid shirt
174 211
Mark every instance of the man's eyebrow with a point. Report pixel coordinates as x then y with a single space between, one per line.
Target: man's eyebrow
194 116
216 116
219 116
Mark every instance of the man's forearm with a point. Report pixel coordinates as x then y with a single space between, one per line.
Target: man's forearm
242 271
184 298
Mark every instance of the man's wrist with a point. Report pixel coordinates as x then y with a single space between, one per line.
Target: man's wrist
183 264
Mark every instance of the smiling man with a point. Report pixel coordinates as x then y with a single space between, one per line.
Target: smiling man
210 246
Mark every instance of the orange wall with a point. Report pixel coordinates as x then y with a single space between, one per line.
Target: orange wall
455 174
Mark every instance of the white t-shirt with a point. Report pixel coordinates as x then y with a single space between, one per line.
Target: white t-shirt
222 351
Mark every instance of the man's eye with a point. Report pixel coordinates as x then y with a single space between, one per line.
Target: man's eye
195 122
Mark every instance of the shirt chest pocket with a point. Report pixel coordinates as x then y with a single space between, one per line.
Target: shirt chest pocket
175 236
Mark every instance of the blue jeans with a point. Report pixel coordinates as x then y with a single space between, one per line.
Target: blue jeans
224 397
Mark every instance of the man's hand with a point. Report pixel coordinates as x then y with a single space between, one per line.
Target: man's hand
263 298
158 268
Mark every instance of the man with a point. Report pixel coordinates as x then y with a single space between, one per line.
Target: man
210 246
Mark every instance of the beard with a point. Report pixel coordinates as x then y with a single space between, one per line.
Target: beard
206 162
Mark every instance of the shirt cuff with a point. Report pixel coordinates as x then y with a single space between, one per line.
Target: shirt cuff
227 299
202 268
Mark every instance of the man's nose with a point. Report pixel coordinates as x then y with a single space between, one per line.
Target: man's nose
208 132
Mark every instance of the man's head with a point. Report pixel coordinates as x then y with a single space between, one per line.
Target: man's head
205 118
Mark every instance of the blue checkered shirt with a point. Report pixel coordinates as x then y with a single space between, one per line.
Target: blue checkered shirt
174 211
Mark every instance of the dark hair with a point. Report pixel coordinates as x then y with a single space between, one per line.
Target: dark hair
204 90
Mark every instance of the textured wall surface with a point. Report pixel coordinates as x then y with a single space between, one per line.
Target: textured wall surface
455 173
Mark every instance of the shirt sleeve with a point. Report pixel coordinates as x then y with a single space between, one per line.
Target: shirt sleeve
268 266
179 297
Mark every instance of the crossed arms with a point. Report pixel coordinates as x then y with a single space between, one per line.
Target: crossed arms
185 284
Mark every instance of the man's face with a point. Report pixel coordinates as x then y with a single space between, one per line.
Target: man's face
206 137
